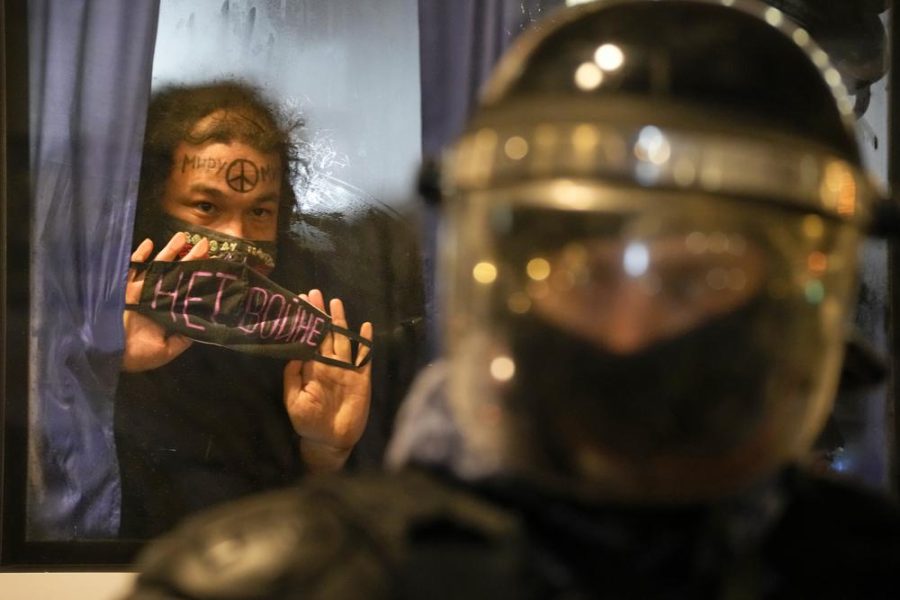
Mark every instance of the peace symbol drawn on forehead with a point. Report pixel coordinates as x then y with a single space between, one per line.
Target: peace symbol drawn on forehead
242 175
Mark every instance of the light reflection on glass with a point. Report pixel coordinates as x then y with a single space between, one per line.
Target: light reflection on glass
569 194
801 37
817 262
516 147
585 138
484 272
609 57
839 186
820 58
588 76
832 76
845 105
774 17
652 145
636 259
814 291
813 227
503 368
518 303
538 269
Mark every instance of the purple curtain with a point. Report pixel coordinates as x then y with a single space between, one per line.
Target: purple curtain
90 64
460 42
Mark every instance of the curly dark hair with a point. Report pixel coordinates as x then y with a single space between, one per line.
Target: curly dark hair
247 117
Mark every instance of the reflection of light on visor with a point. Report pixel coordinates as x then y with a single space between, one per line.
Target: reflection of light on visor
814 291
484 272
516 147
588 76
538 269
503 368
774 17
609 57
636 259
653 146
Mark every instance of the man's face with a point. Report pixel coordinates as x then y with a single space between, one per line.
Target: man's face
626 296
231 188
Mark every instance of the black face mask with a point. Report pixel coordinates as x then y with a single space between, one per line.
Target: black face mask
697 393
231 304
259 255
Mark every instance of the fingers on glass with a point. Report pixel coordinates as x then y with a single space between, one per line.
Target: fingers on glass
171 249
365 331
316 298
338 345
143 251
140 254
200 250
340 342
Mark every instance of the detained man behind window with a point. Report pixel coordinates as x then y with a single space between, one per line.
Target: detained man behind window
239 372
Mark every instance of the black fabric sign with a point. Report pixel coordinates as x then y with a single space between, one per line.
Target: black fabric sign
229 304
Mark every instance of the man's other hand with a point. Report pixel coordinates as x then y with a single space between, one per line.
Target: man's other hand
329 406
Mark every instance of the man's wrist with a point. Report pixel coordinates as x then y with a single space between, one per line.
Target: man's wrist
322 458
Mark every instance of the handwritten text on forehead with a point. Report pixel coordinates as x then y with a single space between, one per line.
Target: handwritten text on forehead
241 174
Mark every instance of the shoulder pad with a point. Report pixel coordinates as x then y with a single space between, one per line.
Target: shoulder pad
267 546
333 537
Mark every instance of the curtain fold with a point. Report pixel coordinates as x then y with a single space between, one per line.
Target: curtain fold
90 65
460 42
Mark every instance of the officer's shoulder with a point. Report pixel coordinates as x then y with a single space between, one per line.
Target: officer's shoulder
331 537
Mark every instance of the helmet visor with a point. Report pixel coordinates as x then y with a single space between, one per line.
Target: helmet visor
653 345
